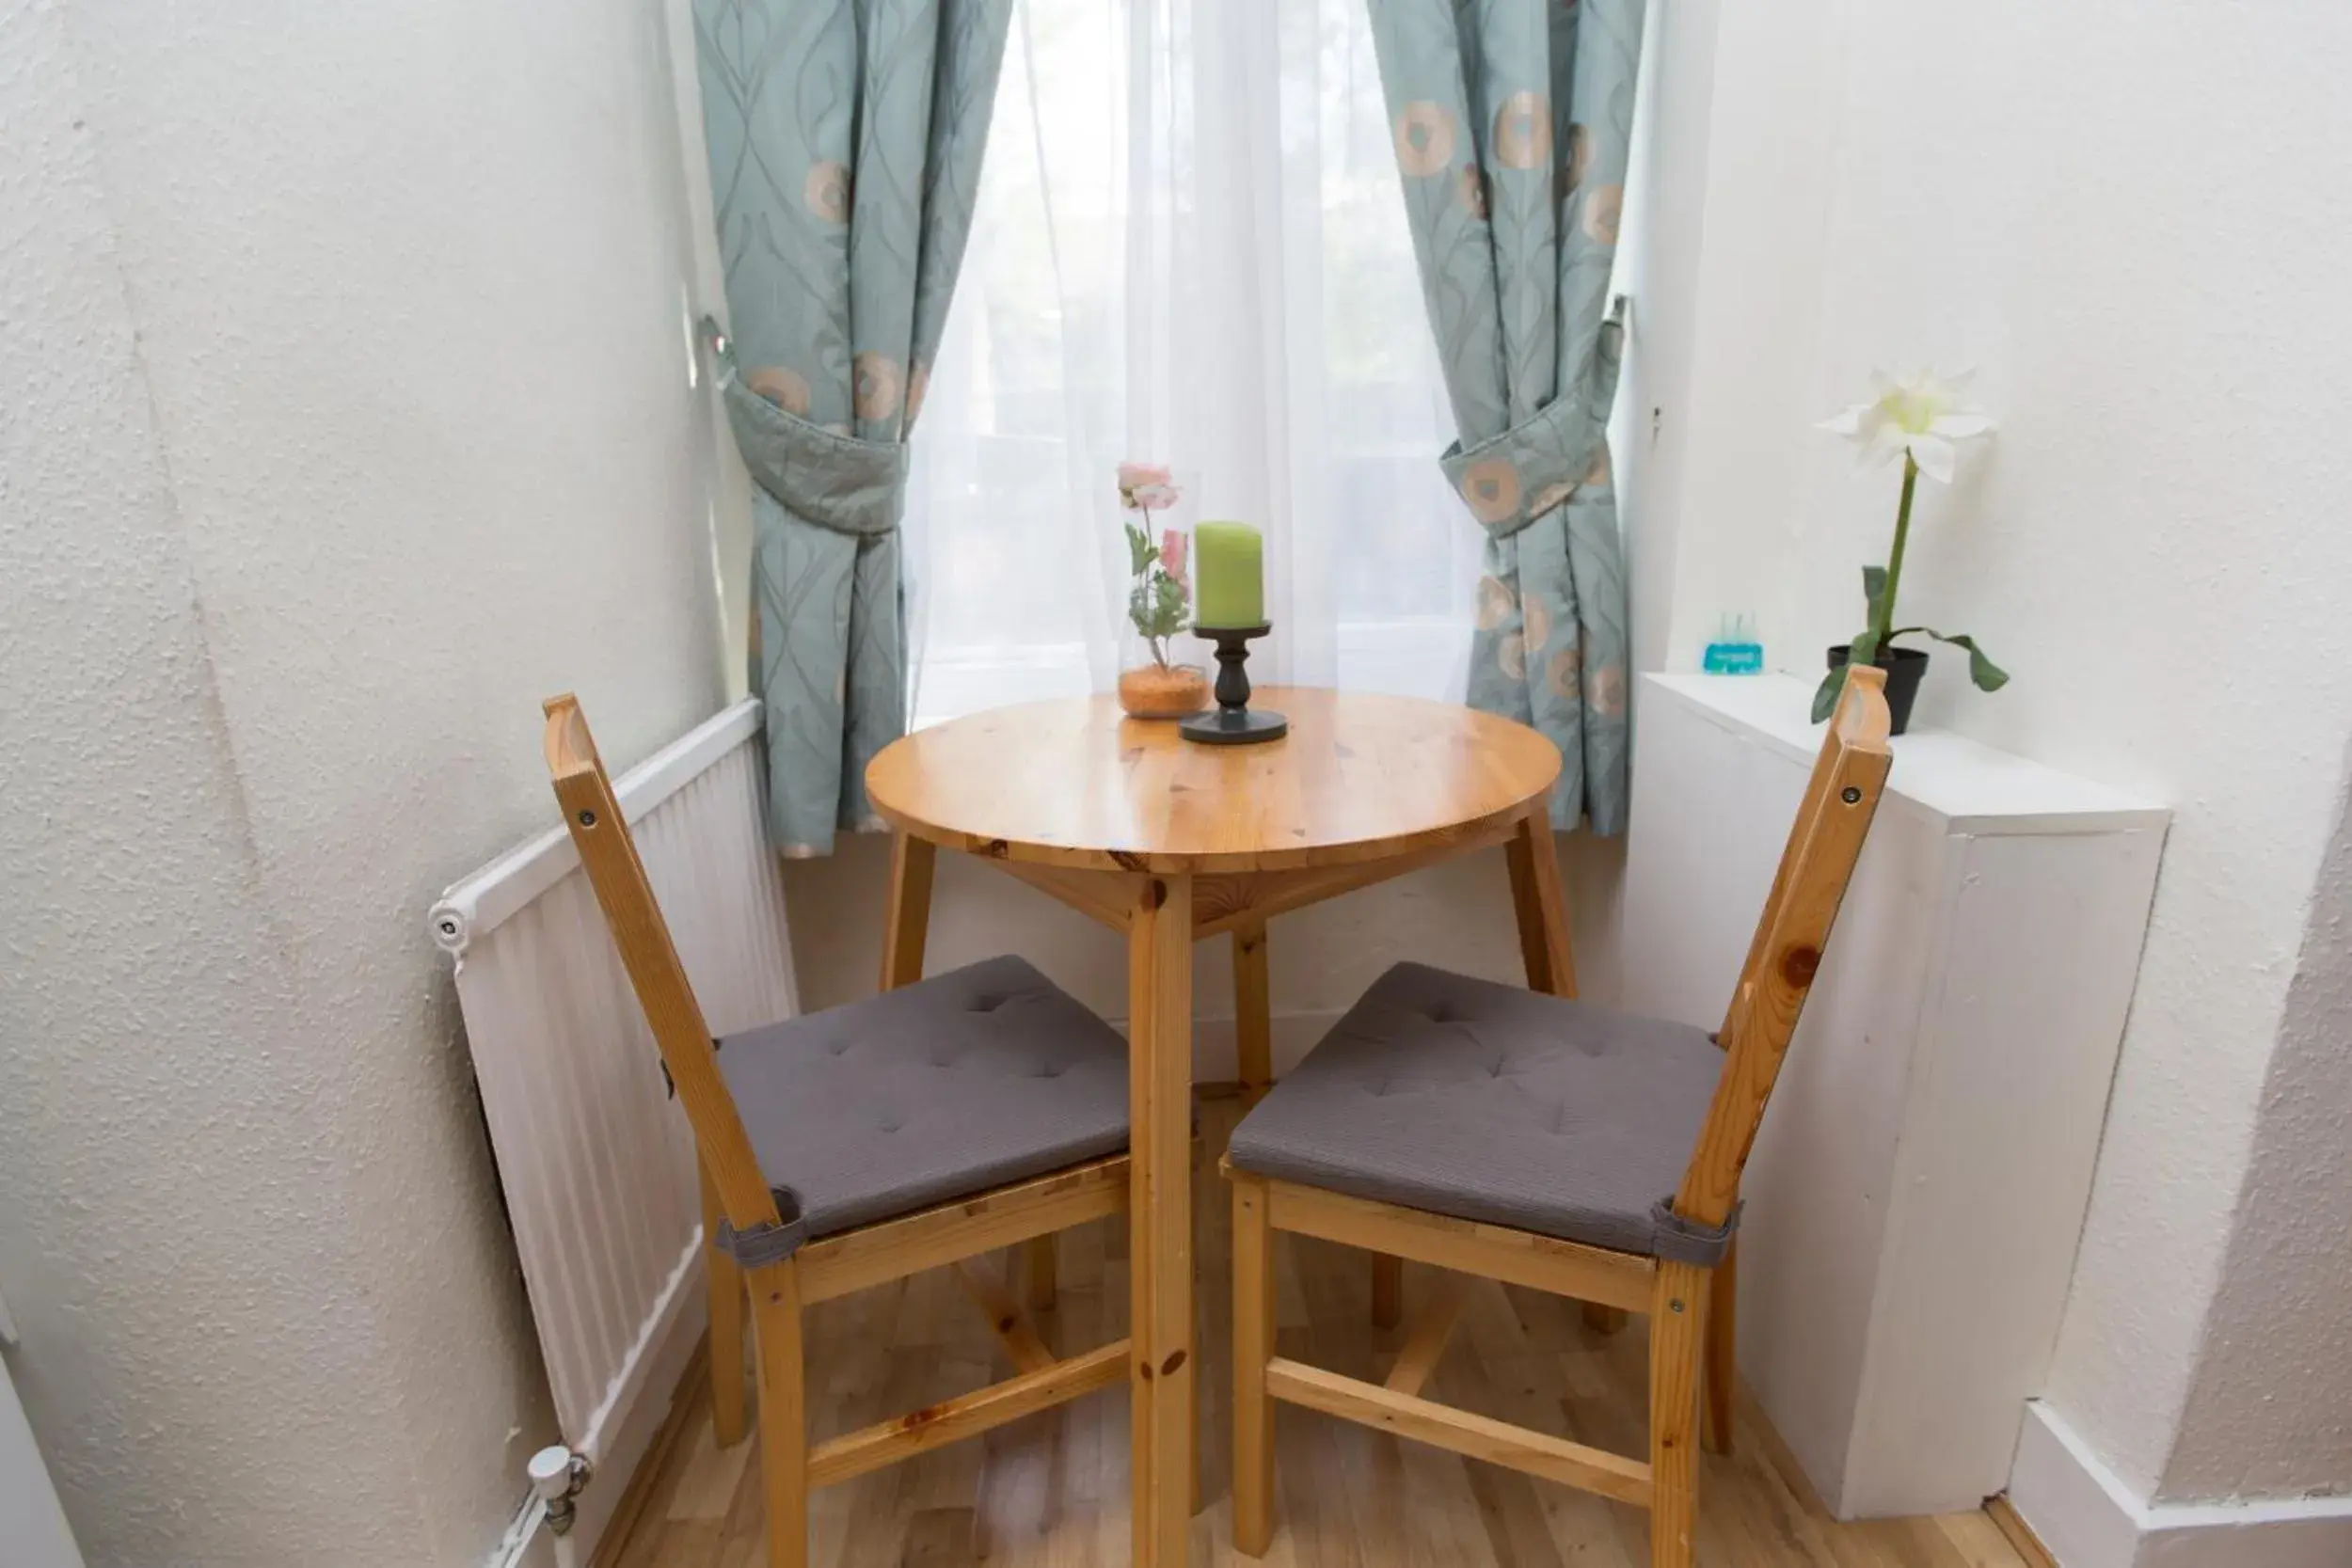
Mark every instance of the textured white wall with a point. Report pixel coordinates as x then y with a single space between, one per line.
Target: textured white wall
2109 207
2246 1430
343 413
1658 259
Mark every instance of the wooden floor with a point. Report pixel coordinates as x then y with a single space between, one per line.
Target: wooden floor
1051 1489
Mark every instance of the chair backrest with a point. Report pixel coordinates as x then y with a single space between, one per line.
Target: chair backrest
610 857
1848 776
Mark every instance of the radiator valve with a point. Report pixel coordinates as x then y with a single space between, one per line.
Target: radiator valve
557 1474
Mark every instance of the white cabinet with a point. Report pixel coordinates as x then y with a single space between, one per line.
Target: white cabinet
1918 1188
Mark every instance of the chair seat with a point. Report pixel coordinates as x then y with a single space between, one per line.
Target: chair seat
967 1081
1484 1101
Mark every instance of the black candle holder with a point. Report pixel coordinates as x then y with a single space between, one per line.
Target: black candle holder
1234 722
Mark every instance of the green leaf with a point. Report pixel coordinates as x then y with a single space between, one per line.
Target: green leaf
1988 676
1825 695
1168 605
1138 551
1862 650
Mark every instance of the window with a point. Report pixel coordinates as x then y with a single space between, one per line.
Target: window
1189 246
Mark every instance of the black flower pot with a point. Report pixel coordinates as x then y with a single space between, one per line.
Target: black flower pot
1904 669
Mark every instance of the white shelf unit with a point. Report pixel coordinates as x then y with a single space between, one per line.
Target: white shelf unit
1918 1189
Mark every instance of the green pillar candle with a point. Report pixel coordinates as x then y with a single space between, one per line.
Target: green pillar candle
1228 574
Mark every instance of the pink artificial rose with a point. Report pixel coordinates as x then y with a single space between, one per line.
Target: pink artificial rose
1143 486
1173 555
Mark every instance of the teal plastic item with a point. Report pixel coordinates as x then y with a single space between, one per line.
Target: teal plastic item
1735 650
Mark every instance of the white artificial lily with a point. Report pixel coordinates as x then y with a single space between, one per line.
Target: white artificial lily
1918 414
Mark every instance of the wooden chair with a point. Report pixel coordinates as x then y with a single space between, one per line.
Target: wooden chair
977 1110
1532 1139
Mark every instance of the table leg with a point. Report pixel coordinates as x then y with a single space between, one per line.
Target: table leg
1253 1014
912 861
1159 1077
1535 897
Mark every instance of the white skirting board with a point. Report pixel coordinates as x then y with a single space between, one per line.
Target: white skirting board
2083 1512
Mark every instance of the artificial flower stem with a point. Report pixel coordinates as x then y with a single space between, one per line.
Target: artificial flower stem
1883 613
1159 652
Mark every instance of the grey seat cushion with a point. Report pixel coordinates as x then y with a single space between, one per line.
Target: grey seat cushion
938 1090
1481 1102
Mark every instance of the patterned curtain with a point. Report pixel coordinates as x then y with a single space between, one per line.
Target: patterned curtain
845 139
1511 120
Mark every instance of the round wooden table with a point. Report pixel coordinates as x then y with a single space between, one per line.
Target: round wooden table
1170 841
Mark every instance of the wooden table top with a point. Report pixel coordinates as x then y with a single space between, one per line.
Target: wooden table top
1072 782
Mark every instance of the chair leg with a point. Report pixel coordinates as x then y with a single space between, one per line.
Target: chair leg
1677 1304
1192 1440
1387 1290
1254 1347
1039 1253
1253 1022
783 1433
1722 1338
727 1329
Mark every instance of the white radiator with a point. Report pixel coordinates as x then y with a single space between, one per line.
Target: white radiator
596 1160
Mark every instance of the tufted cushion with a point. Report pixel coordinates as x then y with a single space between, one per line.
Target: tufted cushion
1481 1102
937 1091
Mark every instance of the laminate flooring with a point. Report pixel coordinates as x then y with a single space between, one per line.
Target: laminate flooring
1051 1491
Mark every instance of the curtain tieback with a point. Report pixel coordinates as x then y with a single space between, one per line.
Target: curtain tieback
837 482
1508 481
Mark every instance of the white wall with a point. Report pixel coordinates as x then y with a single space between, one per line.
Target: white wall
2246 1430
2115 207
1658 258
728 496
343 413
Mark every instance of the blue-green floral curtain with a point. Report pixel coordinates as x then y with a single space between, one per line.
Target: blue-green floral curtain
1511 120
845 141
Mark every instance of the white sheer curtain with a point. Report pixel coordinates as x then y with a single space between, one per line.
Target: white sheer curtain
1190 247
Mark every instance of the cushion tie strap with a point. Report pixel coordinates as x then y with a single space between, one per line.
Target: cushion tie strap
764 1245
1682 1240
